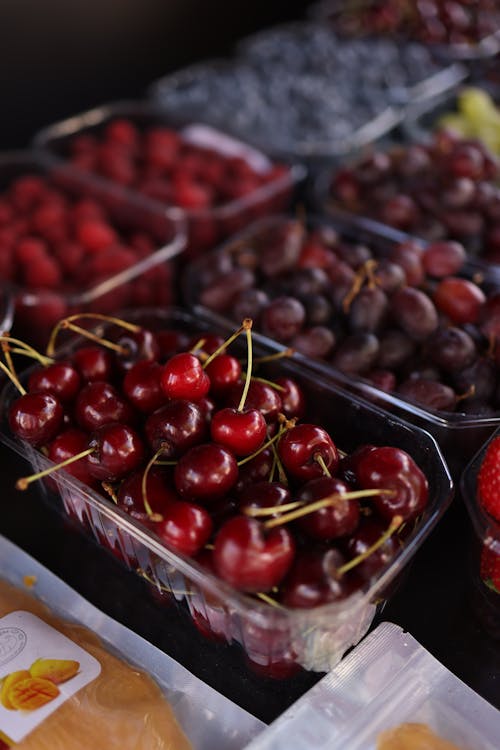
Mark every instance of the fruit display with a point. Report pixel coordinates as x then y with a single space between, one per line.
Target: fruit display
218 454
445 188
481 492
219 184
64 249
301 91
459 24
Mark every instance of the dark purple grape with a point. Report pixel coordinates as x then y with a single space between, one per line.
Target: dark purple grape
368 310
451 349
357 353
414 312
443 258
249 303
283 318
317 342
307 281
220 294
395 349
429 393
390 276
479 378
354 255
318 309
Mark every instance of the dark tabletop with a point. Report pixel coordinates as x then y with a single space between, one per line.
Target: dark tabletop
59 58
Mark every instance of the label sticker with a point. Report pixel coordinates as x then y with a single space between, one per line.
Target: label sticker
40 668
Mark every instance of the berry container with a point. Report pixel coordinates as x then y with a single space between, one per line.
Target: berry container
149 280
485 48
274 638
169 93
484 550
206 226
459 435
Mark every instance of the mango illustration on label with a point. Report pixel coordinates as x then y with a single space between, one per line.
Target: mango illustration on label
27 690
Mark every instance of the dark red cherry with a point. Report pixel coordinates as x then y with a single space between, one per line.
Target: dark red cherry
171 342
313 580
158 494
184 377
224 371
177 426
292 398
367 534
211 342
94 363
142 386
393 469
36 418
339 519
258 469
100 403
241 432
249 558
137 345
68 444
260 396
348 465
206 473
60 379
263 495
185 527
117 450
300 448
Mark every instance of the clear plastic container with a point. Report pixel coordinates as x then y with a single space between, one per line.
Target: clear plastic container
205 227
485 48
459 435
274 638
147 282
484 545
387 681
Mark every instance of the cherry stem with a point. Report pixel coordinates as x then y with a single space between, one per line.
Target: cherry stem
321 461
324 502
271 511
87 316
23 482
13 377
144 490
248 331
288 425
269 600
395 524
94 337
270 383
277 463
199 344
25 349
468 393
246 323
108 488
370 267
272 357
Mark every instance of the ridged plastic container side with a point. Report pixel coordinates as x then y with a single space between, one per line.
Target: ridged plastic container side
270 636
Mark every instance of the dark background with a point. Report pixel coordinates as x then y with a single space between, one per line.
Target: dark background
60 57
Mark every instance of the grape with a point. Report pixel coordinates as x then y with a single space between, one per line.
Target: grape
220 294
283 318
357 353
461 300
479 377
443 258
414 312
408 255
318 309
395 349
429 393
400 211
249 303
317 342
390 276
451 349
368 310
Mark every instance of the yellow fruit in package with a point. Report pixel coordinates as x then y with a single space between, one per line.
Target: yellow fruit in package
7 683
55 670
32 693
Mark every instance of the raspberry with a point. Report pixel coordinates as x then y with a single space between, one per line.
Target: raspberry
86 208
156 188
43 274
49 220
7 264
95 235
191 195
6 213
488 480
112 261
83 144
30 250
70 255
115 164
123 133
27 191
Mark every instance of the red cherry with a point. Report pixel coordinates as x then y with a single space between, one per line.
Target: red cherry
185 527
184 377
137 345
260 396
94 363
224 371
300 448
333 521
176 427
100 403
67 444
248 558
258 469
242 432
368 533
159 494
142 386
206 472
264 495
117 450
312 579
292 398
60 379
36 418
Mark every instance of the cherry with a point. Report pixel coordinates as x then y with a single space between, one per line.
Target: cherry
367 534
60 379
185 527
293 403
158 494
304 448
206 472
142 386
248 558
116 451
93 363
336 520
312 579
176 427
137 346
171 341
242 432
36 418
224 371
260 396
184 377
393 469
258 469
100 403
348 465
67 444
263 494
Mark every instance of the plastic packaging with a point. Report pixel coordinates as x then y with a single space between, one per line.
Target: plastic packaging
484 549
271 636
459 435
208 718
389 679
37 310
205 226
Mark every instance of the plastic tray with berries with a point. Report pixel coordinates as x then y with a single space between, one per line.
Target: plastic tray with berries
66 247
371 309
455 31
480 489
442 187
219 183
279 509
